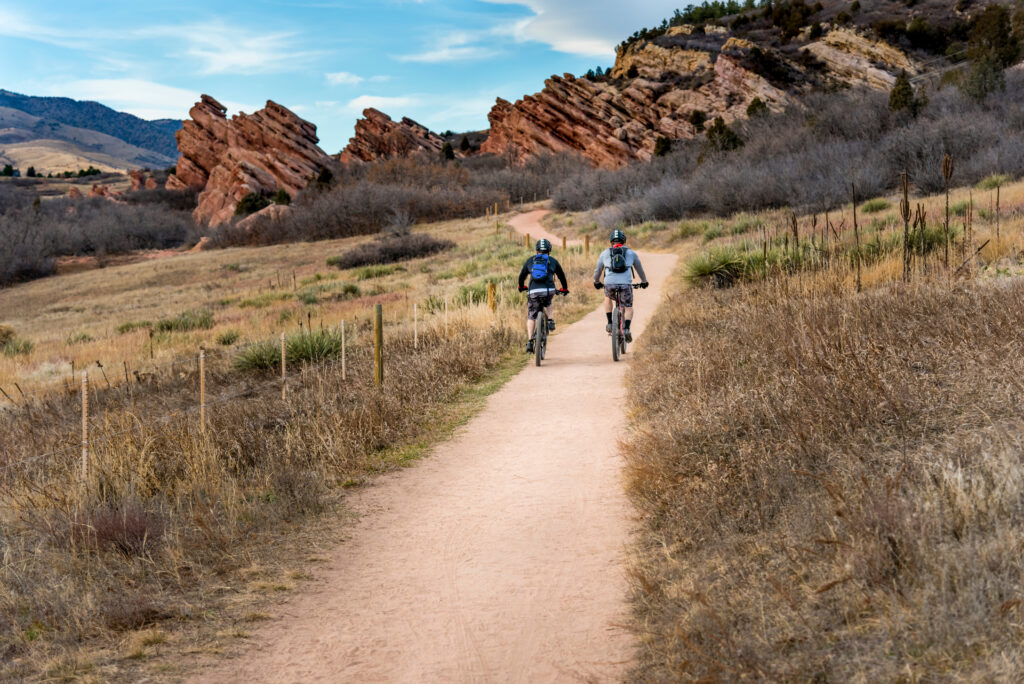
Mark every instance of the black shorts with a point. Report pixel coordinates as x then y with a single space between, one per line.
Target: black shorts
537 302
624 293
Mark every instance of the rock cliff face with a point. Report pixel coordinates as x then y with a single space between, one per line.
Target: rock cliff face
657 85
225 159
378 137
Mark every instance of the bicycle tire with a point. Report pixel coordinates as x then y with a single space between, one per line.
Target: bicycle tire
615 334
539 337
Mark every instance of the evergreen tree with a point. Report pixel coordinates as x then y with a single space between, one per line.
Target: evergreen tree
902 94
723 138
8 171
31 173
464 146
757 108
662 146
992 39
447 153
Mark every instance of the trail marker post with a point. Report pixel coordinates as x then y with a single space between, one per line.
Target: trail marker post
378 344
563 244
527 241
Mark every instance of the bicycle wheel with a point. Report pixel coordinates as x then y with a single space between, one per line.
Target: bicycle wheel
615 333
540 337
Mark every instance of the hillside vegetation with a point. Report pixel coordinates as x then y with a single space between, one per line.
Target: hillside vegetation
157 136
828 455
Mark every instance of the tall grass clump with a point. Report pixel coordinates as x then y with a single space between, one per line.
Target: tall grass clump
389 250
873 206
185 321
830 484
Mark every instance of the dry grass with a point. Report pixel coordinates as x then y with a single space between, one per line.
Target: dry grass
257 291
831 483
180 539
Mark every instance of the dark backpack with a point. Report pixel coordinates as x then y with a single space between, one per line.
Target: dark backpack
541 268
618 260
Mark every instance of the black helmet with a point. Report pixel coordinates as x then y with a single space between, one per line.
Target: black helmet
618 237
544 246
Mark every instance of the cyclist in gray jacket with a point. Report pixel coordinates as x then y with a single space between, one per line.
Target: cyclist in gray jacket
616 264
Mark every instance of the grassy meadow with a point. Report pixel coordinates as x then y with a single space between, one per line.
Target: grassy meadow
831 480
178 539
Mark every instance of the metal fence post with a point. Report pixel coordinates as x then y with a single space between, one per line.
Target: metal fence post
378 344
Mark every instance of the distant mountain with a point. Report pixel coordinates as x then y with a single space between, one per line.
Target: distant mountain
157 136
48 146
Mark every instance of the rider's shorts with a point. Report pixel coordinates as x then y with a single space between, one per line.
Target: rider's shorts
624 293
537 302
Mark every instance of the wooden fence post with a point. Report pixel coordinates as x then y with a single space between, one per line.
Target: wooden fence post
563 245
415 326
492 300
495 208
378 344
586 244
284 361
85 425
527 241
202 388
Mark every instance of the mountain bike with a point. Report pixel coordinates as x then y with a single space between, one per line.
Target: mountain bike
540 333
619 326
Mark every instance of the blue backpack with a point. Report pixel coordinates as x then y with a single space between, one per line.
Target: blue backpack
541 267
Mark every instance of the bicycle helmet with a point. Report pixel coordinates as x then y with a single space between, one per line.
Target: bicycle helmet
618 237
544 246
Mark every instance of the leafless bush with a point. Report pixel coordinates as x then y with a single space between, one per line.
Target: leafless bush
32 236
390 249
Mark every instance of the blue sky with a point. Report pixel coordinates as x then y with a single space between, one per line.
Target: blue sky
441 62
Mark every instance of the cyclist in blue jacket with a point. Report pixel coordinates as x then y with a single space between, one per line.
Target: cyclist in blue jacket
542 268
617 264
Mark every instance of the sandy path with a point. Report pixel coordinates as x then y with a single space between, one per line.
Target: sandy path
497 559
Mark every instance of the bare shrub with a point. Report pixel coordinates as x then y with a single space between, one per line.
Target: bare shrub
390 249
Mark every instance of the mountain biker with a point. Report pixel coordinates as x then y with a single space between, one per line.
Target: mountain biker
542 269
617 264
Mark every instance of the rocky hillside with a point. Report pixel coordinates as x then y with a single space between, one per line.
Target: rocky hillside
156 136
713 61
378 137
226 159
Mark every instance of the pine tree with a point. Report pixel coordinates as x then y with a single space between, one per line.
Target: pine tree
902 94
757 108
464 146
662 146
447 153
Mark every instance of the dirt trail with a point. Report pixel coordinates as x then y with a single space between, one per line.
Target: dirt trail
497 559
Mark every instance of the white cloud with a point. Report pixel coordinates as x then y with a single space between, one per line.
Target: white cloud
16 25
344 78
145 99
456 46
590 28
223 49
384 104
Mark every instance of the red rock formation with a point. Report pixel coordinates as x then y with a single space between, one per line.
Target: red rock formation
74 193
137 179
99 191
615 120
378 137
269 150
151 183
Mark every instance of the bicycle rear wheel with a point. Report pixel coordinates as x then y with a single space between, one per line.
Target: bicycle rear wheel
540 337
615 333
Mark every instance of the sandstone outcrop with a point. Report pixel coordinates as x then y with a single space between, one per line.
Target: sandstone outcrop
379 137
141 179
656 85
74 193
225 159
